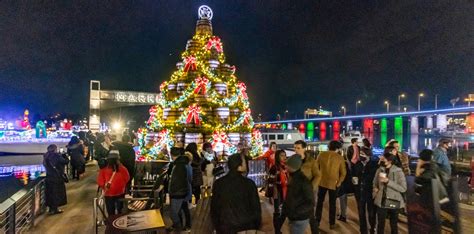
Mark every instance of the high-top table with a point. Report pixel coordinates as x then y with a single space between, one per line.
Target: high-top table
140 221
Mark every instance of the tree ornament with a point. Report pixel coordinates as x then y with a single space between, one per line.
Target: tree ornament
190 63
201 85
214 42
247 116
193 114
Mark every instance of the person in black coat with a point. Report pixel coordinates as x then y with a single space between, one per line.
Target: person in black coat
101 149
197 173
299 202
127 155
75 149
345 189
55 179
235 205
363 173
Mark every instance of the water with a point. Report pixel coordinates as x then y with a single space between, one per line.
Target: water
410 143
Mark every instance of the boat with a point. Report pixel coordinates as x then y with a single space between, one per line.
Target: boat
283 138
347 136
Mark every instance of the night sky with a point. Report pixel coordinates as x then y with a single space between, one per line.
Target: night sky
292 54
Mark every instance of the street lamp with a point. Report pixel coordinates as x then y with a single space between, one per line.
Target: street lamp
344 110
436 101
419 100
399 97
357 104
404 109
286 113
388 106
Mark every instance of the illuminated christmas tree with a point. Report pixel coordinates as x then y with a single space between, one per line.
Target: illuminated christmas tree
203 101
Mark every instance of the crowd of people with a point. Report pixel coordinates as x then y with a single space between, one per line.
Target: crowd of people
296 186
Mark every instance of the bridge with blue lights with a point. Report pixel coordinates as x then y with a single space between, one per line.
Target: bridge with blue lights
381 119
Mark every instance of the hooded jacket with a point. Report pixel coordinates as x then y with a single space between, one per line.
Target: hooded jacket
235 205
180 180
299 202
76 151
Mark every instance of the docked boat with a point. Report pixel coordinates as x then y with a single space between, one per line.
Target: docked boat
347 136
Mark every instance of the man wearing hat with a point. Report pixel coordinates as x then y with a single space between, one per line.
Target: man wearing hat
235 205
299 202
440 155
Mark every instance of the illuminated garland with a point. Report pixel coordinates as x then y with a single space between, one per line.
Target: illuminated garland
257 143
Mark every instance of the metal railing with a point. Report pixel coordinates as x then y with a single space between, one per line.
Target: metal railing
18 212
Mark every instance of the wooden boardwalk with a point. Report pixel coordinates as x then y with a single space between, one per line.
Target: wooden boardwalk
77 216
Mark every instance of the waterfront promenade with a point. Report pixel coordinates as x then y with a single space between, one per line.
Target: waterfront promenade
77 216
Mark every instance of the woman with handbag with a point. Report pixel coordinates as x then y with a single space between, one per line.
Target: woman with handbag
113 180
389 184
55 179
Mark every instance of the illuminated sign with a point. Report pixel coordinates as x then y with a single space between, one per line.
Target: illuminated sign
139 98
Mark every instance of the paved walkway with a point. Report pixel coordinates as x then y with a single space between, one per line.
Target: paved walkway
77 216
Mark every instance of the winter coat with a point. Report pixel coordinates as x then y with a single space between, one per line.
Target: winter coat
55 188
332 168
396 185
278 182
197 173
180 179
311 170
101 154
269 158
423 181
76 152
235 205
299 202
365 173
127 156
346 186
402 160
117 183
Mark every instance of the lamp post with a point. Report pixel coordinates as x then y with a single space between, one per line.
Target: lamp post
388 106
344 110
286 113
399 97
419 100
404 109
357 104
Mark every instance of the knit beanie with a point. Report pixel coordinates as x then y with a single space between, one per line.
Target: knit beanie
294 162
113 154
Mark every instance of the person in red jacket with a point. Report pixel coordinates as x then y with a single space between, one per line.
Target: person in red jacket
113 180
269 156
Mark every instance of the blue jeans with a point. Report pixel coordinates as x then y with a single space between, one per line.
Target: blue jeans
298 226
175 207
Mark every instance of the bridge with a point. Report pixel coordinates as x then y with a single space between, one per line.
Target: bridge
368 120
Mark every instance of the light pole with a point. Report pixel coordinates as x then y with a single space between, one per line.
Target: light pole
419 100
388 106
344 110
399 97
404 109
436 101
357 104
286 113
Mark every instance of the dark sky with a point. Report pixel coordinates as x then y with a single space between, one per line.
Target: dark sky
292 54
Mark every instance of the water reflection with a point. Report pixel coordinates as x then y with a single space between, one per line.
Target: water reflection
24 173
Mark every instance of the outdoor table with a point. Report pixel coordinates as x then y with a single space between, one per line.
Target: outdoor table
140 221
